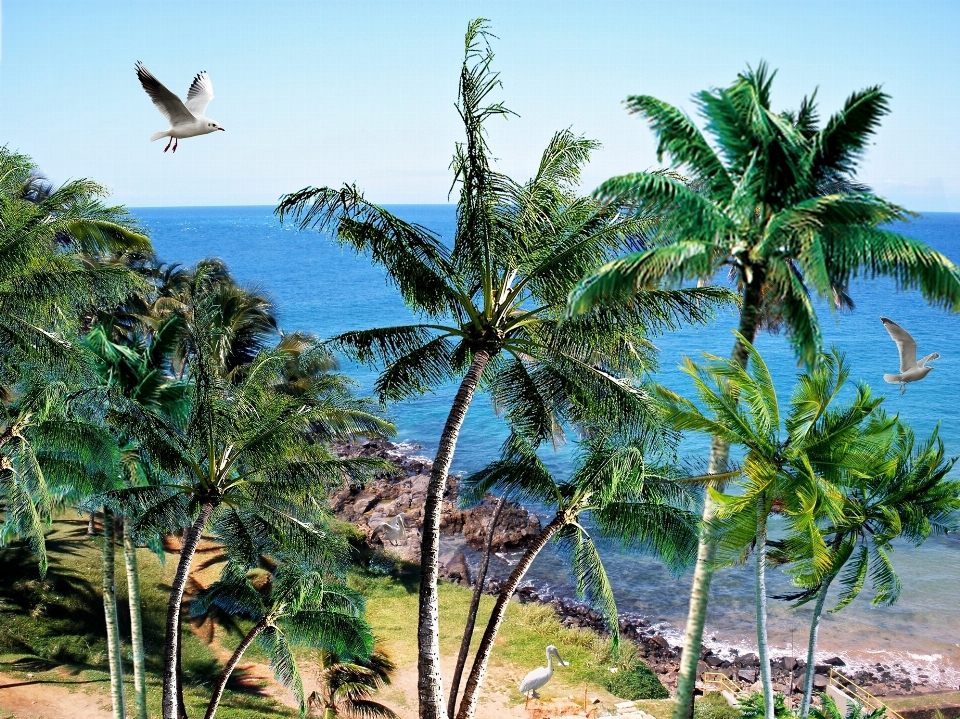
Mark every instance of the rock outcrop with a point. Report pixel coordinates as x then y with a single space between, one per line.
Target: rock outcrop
404 492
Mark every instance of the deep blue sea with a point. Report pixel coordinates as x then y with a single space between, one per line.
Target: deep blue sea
322 289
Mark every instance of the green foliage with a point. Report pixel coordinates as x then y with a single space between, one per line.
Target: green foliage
772 196
637 683
713 705
752 707
829 710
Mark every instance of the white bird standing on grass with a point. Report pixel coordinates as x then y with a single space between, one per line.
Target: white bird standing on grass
186 118
541 675
910 369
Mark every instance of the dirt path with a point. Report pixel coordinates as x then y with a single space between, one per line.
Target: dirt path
30 699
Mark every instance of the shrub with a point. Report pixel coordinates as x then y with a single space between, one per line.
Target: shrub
638 682
752 707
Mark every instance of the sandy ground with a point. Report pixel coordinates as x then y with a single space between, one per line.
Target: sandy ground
27 699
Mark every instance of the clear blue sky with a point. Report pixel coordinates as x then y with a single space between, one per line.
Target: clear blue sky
362 91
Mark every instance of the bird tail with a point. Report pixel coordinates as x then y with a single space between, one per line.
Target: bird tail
158 135
892 378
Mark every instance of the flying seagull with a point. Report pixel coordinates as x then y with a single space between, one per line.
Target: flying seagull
186 118
541 675
910 369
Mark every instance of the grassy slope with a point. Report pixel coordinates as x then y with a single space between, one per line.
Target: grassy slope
54 628
527 630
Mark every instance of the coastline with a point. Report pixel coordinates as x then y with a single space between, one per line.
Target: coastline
659 642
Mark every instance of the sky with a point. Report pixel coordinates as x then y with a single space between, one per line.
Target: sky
361 91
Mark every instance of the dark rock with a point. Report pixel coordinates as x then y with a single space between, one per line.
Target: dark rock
713 660
747 675
749 660
835 662
820 681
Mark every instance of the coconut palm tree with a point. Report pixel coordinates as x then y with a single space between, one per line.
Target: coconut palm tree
900 491
493 303
796 461
616 492
771 198
135 367
346 687
244 461
46 284
295 605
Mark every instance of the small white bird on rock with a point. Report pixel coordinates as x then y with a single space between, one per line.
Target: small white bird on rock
541 675
910 369
186 118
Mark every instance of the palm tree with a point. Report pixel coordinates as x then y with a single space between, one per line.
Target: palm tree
493 303
617 486
295 605
346 686
901 492
243 461
797 464
772 199
46 284
472 610
136 367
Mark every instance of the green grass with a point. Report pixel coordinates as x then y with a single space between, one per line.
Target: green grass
527 630
54 628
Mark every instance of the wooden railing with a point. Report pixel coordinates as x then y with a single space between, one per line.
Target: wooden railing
858 693
721 681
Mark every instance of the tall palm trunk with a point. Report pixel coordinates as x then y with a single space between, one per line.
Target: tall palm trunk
136 624
707 547
191 538
429 685
468 705
810 669
231 665
763 648
472 612
181 705
110 615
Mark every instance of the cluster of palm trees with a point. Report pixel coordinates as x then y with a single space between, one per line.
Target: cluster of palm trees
547 300
168 400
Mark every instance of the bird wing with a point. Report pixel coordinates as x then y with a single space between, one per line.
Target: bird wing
905 343
928 358
170 106
200 94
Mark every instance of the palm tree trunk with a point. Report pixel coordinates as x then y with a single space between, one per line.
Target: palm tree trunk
231 665
429 685
707 547
110 615
181 705
136 623
171 668
472 612
468 705
763 648
812 648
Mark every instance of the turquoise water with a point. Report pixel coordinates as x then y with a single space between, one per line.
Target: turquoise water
322 289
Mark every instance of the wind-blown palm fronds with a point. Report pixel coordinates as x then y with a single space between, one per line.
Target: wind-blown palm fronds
770 198
493 302
293 606
617 492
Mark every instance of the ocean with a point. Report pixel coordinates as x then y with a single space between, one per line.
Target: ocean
322 289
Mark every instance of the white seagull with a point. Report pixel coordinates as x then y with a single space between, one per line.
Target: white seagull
186 118
541 675
393 531
910 369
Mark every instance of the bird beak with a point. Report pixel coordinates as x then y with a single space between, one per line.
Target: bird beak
221 128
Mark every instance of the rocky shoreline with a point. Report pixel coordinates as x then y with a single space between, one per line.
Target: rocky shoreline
371 505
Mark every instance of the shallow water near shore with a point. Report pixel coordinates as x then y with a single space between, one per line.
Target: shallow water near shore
322 289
